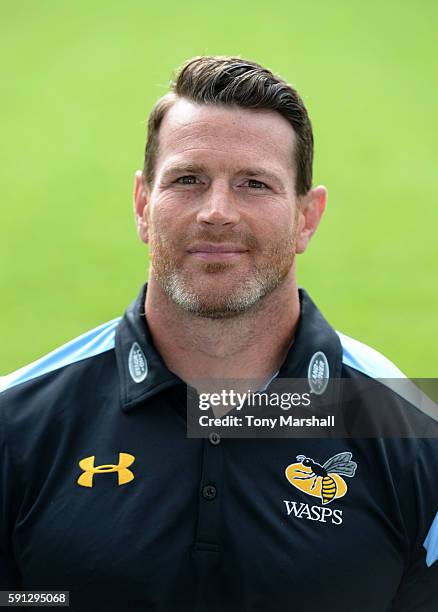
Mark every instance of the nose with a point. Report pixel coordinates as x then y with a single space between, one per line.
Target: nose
219 206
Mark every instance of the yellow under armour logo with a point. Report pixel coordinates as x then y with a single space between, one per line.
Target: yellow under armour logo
124 475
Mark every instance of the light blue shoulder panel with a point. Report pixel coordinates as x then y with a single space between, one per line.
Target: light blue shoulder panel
372 363
366 359
431 543
91 343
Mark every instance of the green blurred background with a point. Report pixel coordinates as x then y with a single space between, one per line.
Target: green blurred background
78 81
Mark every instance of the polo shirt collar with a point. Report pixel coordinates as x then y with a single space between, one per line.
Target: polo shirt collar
315 341
143 372
135 348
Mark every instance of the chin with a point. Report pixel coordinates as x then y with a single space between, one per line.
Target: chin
216 310
216 294
223 302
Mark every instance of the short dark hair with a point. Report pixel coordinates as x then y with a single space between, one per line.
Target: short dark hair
236 82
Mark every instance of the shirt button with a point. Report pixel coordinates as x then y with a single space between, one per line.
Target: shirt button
214 438
209 492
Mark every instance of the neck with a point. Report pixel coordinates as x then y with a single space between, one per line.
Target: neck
252 345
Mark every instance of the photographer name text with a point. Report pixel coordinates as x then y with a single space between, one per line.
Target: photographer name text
231 421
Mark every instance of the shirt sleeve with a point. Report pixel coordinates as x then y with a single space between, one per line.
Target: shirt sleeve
418 591
9 574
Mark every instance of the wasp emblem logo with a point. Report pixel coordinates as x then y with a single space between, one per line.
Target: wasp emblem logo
324 481
124 475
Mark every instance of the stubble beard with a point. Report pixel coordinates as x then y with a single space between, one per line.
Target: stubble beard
240 295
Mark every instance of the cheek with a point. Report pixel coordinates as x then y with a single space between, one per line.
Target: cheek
171 203
169 227
167 214
275 226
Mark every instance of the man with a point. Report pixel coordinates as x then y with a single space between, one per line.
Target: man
104 495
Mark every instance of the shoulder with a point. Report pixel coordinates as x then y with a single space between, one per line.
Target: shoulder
368 361
384 402
92 343
43 402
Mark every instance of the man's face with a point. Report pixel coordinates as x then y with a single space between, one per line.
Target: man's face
221 214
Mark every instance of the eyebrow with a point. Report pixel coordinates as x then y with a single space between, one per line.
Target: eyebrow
183 169
250 171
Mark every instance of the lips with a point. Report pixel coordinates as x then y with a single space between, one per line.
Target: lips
217 248
223 252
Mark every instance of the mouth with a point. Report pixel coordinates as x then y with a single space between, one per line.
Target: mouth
217 252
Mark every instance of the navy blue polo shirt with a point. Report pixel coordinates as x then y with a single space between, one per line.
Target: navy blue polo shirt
103 494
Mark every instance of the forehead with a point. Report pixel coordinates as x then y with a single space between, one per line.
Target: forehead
224 134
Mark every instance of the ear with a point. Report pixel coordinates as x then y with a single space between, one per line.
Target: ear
310 210
141 206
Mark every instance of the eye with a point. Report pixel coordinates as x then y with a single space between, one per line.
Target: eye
187 180
253 184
